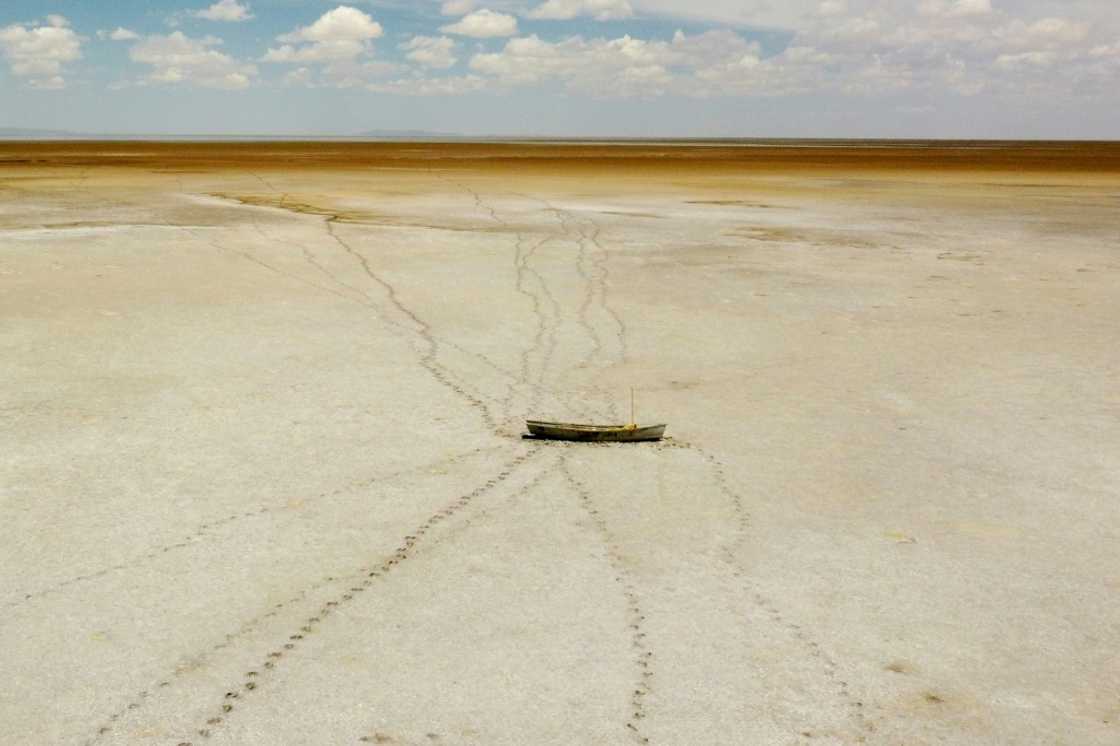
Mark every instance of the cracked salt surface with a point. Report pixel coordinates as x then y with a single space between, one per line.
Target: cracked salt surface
273 501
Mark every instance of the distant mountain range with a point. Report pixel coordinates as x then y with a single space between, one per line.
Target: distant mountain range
408 135
21 133
17 133
14 133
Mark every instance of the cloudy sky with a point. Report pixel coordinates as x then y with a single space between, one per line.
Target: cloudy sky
796 68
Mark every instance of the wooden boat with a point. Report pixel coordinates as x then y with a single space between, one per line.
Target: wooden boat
594 433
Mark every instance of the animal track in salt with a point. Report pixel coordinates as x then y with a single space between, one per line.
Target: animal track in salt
369 574
207 530
643 656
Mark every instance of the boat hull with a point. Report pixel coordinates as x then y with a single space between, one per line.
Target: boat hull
594 433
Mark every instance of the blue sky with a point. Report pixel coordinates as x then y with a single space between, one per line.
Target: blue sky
802 68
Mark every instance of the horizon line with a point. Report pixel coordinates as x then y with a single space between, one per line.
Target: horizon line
31 135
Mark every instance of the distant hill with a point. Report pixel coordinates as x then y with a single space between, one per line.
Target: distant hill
17 133
407 135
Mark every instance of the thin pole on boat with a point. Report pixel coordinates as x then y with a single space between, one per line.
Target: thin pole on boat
632 420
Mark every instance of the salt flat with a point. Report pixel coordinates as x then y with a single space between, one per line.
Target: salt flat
262 480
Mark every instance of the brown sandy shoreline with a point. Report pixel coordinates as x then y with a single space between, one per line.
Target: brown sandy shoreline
1071 157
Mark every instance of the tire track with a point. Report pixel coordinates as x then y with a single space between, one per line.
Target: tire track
596 295
79 182
439 372
360 296
268 185
545 340
363 298
583 312
596 292
520 262
373 572
643 656
603 273
430 357
546 331
272 268
204 532
522 267
592 271
429 360
563 219
427 332
825 662
577 235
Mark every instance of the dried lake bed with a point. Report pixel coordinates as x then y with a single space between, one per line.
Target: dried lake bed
262 480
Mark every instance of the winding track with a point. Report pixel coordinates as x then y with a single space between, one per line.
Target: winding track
377 570
635 617
206 531
576 247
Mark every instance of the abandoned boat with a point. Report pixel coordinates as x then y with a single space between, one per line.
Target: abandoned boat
594 433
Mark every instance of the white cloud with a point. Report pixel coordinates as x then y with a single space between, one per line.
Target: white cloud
53 83
431 51
353 74
1044 33
858 29
299 77
954 74
1025 60
863 52
338 44
869 48
38 53
457 7
420 86
225 10
324 51
344 33
341 74
483 24
955 8
971 8
1106 51
601 10
622 66
118 34
341 24
878 76
786 14
177 58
